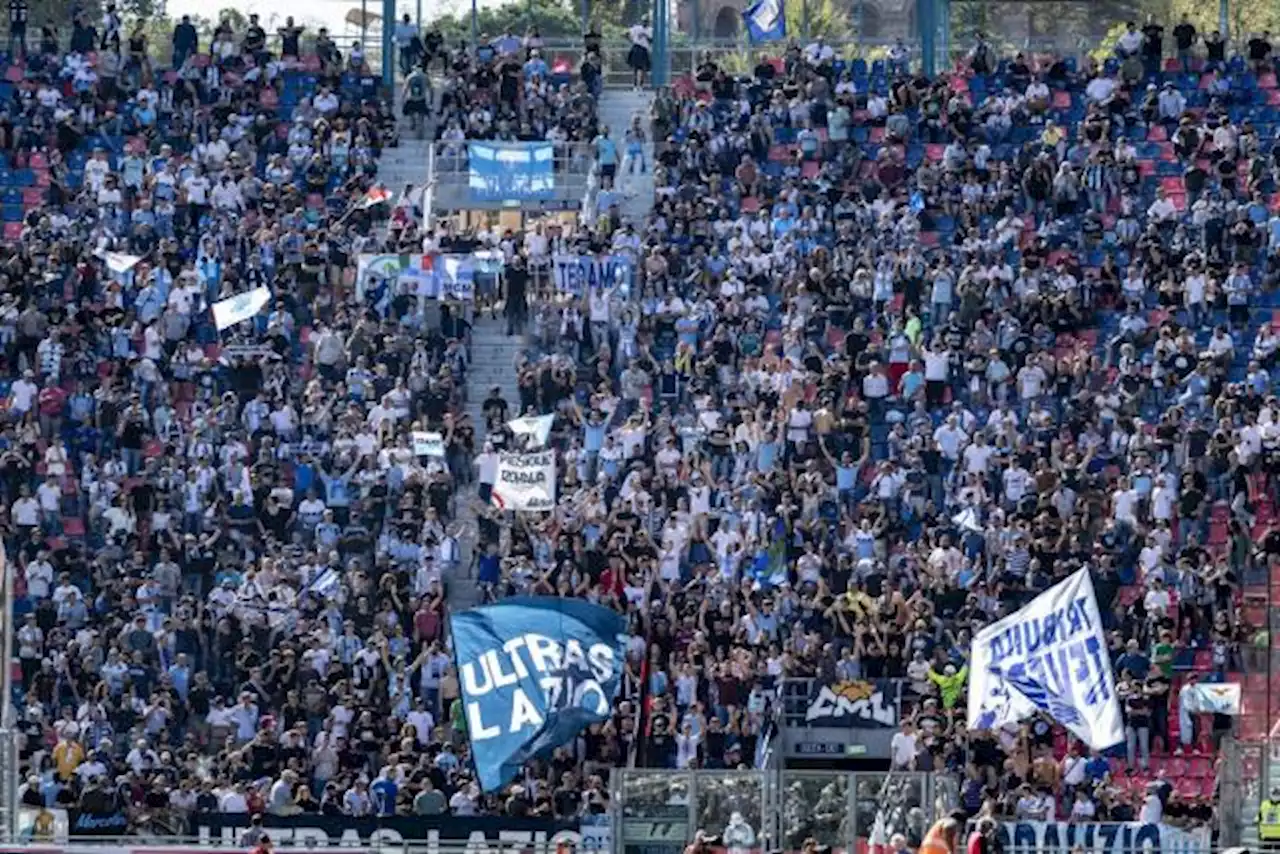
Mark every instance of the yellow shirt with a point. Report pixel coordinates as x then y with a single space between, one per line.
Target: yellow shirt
67 756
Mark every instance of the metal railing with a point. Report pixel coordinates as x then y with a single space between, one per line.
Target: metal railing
661 809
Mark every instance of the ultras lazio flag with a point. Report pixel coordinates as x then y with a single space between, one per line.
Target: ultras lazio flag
534 671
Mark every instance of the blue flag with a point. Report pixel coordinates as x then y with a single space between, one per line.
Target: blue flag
766 21
534 672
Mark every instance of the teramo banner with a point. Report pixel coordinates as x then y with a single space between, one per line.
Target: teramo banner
579 274
481 833
509 172
534 672
525 482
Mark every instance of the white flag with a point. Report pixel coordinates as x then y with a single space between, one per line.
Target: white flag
232 310
1051 656
119 262
536 427
1222 698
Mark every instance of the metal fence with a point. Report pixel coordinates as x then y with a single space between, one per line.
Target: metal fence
660 811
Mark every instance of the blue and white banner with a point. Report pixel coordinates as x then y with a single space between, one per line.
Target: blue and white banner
1051 656
1215 698
574 274
766 21
534 672
511 172
1060 837
241 307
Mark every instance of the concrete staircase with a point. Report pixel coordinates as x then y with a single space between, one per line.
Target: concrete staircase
409 163
493 361
632 193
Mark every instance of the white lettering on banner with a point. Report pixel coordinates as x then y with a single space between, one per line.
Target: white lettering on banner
569 675
870 706
525 482
478 842
574 274
1060 837
1050 656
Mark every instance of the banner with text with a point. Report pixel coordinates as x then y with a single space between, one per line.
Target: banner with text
534 672
493 833
575 274
1050 656
511 172
855 704
525 482
1060 837
380 278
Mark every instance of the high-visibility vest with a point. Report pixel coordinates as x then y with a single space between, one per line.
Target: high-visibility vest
1269 820
935 841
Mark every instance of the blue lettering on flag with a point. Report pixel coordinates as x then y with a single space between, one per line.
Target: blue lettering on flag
534 672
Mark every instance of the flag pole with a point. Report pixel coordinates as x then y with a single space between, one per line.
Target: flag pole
8 739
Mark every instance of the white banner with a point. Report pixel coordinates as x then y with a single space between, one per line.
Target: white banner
428 444
1221 698
536 427
525 482
1051 656
233 310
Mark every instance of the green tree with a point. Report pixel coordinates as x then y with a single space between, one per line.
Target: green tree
553 19
827 19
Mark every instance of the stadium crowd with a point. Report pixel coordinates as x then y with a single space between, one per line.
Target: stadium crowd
901 352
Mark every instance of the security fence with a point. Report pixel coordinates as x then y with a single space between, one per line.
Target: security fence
660 811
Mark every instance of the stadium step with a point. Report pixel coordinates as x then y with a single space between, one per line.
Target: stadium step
493 358
633 194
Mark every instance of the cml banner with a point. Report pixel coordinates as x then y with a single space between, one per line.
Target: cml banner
856 704
525 482
511 172
1060 837
496 834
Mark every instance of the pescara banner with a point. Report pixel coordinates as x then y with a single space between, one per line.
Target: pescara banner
505 172
533 673
1050 656
525 482
427 833
1060 837
575 274
858 704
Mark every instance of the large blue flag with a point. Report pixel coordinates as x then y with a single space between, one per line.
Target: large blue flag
534 672
766 21
508 172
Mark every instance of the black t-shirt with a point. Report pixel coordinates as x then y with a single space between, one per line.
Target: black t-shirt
1259 49
1152 39
1184 36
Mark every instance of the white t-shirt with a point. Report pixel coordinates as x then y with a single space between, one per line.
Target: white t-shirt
903 748
640 35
